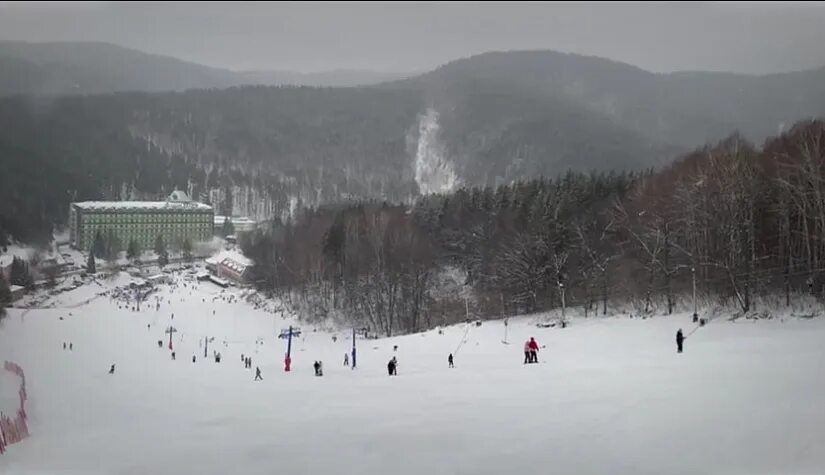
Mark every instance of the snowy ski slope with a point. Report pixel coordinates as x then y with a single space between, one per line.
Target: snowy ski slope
609 396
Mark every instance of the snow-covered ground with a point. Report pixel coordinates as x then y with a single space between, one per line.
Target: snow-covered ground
9 398
610 396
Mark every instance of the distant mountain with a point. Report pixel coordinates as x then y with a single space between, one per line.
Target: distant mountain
332 78
684 109
263 151
101 68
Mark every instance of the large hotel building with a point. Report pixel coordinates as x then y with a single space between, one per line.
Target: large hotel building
176 219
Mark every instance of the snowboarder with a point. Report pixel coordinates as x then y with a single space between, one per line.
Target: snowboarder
258 374
450 360
534 351
112 370
173 355
392 367
527 352
346 359
679 340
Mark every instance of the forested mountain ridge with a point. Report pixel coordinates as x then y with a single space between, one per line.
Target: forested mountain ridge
739 227
266 151
101 68
686 109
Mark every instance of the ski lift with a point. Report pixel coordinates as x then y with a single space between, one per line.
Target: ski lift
285 332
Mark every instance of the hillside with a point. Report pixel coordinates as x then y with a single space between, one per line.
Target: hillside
744 396
265 151
100 68
686 109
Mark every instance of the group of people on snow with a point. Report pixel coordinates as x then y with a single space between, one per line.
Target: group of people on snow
531 351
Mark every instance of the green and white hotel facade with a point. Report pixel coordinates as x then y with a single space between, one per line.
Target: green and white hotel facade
176 219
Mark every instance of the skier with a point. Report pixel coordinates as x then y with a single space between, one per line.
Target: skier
173 355
450 360
258 374
243 360
346 359
218 358
112 370
679 340
534 351
64 345
71 345
160 343
320 368
392 367
193 358
527 353
317 367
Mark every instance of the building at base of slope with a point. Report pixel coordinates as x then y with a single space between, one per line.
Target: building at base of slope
17 292
232 266
240 224
176 220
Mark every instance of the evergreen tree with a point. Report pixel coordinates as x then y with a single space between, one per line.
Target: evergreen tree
51 276
186 247
160 250
99 246
160 245
20 274
133 251
163 258
5 292
91 267
228 228
111 246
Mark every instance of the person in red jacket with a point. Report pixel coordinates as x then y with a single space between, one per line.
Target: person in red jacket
534 350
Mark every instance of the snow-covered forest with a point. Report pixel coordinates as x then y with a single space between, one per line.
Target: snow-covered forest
733 219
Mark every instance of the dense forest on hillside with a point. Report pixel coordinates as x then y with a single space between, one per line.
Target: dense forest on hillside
745 223
265 151
489 120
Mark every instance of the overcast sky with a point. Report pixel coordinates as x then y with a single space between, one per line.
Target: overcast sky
740 37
